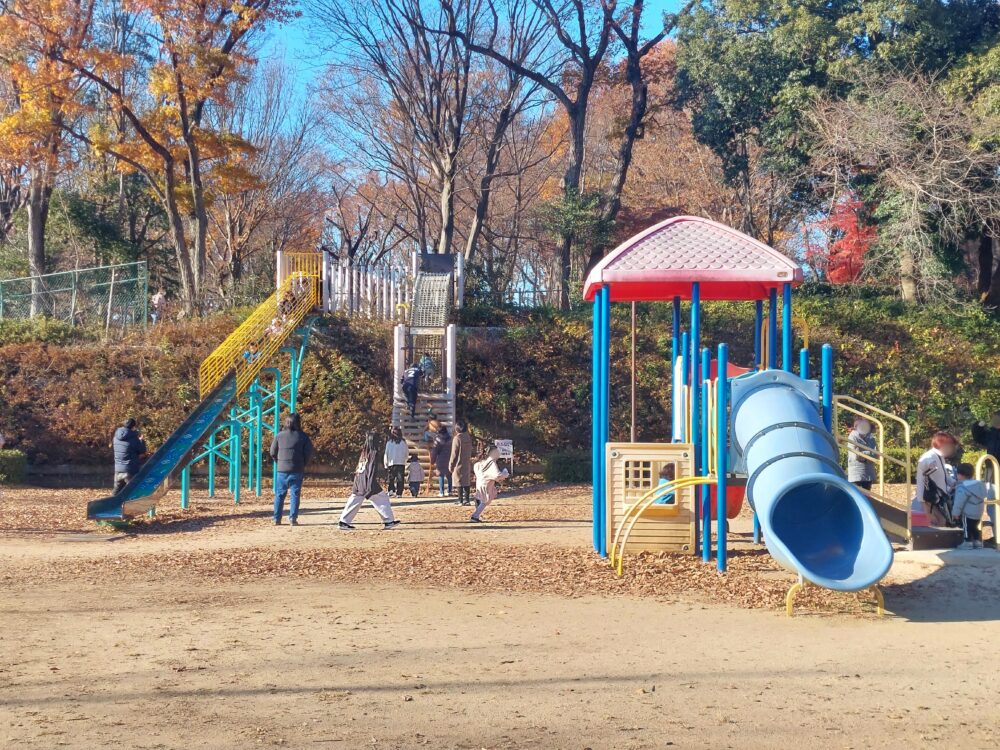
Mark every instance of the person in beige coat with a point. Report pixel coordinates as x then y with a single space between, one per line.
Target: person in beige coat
461 462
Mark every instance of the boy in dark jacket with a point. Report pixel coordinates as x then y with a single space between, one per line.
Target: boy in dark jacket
366 487
411 387
291 449
129 449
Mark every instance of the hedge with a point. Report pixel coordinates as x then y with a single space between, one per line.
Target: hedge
567 466
13 467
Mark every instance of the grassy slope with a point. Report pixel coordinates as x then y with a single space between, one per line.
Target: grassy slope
526 376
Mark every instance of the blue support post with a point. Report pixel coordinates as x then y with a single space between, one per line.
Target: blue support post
772 331
786 327
706 496
695 377
826 383
804 363
685 374
758 323
605 395
211 464
236 458
675 346
722 456
185 487
595 418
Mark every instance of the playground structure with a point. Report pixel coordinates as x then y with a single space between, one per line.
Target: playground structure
761 429
253 375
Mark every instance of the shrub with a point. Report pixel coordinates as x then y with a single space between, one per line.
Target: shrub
13 467
41 329
567 466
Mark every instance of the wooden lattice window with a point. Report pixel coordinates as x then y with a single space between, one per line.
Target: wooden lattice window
640 476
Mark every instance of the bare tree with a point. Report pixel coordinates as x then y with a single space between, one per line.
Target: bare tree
934 184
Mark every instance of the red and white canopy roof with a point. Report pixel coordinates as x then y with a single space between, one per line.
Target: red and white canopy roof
662 262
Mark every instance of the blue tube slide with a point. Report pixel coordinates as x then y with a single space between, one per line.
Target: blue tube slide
815 522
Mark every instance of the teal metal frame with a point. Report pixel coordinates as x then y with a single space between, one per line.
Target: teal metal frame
265 400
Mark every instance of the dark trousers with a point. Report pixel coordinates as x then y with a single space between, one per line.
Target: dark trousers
866 485
396 473
288 483
410 394
414 489
464 495
972 531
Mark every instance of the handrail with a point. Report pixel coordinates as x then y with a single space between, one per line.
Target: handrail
642 505
267 327
844 402
991 487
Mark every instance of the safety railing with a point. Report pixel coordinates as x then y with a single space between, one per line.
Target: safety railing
258 338
992 495
879 418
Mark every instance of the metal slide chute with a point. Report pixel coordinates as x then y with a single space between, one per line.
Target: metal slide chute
815 522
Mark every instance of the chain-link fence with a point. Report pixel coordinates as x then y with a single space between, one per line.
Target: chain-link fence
110 297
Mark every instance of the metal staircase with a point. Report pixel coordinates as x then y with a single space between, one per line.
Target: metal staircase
427 334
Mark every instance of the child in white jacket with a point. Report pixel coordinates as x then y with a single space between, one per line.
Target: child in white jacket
970 499
487 472
415 475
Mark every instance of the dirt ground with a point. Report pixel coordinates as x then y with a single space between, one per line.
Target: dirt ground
212 628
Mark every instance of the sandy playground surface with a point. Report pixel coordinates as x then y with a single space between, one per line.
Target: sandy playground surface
212 628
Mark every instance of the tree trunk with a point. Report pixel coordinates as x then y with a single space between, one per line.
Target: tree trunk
907 274
486 183
571 187
176 223
447 207
985 262
991 300
39 195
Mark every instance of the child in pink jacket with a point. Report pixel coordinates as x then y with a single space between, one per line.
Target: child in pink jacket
488 473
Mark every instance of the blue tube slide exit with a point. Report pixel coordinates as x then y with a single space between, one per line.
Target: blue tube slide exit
815 522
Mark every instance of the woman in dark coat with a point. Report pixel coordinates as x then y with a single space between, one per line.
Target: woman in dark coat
440 457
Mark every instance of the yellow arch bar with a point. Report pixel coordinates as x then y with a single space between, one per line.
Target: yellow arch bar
642 506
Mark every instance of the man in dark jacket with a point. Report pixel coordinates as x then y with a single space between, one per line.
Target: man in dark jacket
411 387
292 450
129 449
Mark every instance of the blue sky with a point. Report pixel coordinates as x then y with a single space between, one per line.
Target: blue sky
291 42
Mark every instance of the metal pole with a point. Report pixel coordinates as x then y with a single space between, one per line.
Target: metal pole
145 293
632 394
786 327
674 347
706 496
211 464
237 458
826 383
772 331
685 374
695 405
595 418
185 487
722 432
804 363
460 281
605 395
451 343
758 321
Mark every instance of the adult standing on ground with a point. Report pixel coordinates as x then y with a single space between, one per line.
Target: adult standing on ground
394 459
411 387
129 448
935 479
440 457
988 436
460 464
366 487
862 452
292 450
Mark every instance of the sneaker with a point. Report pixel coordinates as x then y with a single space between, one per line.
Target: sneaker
977 545
294 522
345 526
965 545
277 522
440 494
391 524
459 502
473 519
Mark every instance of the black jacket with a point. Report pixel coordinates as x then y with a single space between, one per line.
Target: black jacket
441 452
366 476
129 449
412 377
292 450
989 438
